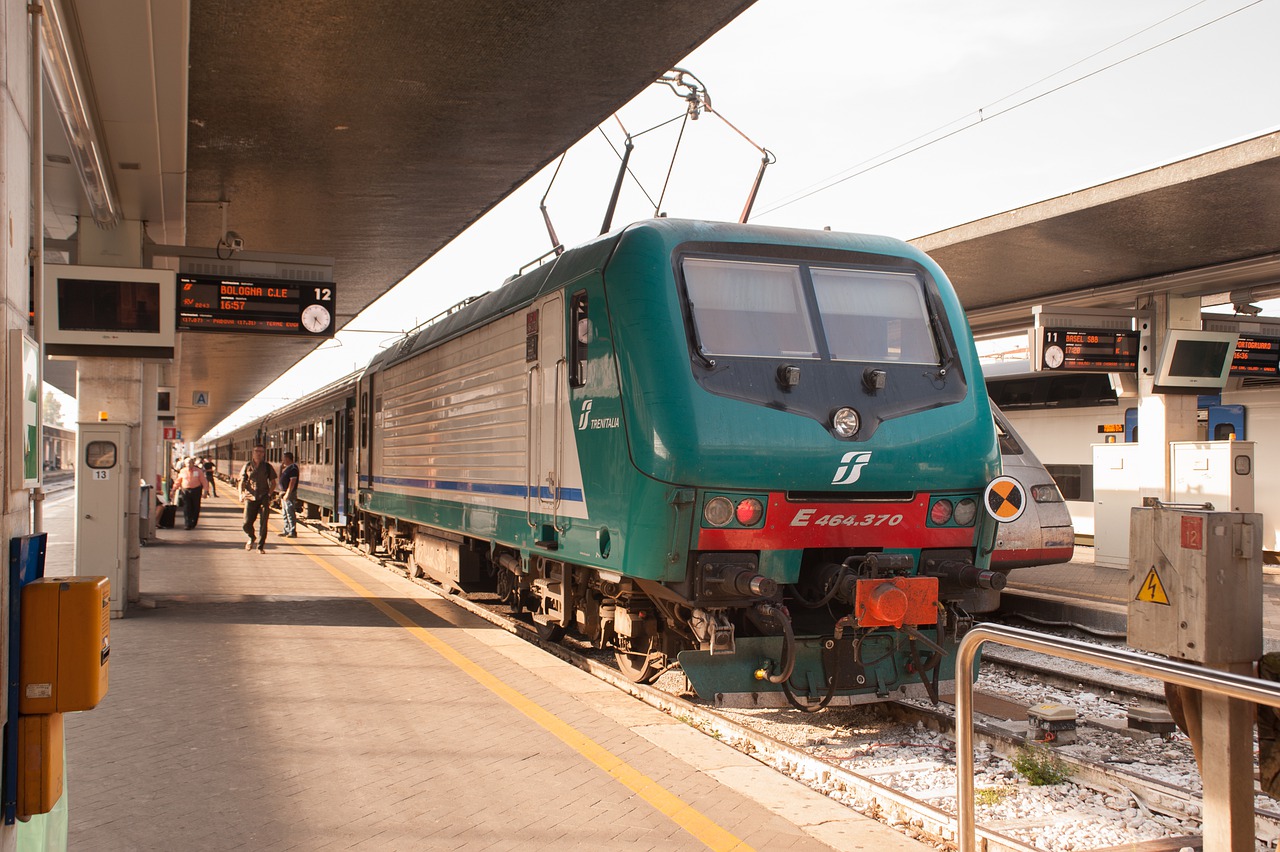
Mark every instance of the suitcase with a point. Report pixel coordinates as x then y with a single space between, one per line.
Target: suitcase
168 515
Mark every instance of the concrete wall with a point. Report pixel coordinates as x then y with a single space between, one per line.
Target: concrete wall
48 831
15 239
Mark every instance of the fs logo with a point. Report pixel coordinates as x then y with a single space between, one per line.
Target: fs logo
586 421
851 465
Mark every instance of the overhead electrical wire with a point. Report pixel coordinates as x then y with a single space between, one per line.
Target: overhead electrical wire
982 116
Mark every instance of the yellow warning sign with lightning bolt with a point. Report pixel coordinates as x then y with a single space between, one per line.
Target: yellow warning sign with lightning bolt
1152 590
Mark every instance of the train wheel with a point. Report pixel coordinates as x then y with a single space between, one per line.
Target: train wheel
508 591
413 569
637 668
549 632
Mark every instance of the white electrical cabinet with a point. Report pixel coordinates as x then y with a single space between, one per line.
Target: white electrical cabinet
102 506
1216 472
1115 493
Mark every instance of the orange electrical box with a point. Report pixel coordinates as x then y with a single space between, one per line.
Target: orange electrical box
39 763
66 638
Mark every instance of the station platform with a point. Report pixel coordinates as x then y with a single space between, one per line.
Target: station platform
1095 598
305 698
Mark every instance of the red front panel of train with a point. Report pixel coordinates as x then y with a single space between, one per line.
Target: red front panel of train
796 526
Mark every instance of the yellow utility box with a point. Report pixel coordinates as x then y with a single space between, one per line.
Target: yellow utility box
66 638
39 763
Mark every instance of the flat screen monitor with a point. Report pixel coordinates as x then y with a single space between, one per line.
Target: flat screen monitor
1191 361
109 311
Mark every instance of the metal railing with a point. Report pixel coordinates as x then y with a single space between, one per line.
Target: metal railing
1116 659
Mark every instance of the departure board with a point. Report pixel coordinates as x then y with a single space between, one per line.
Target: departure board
1088 350
1256 356
255 305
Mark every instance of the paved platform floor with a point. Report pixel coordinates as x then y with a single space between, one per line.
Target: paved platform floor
308 699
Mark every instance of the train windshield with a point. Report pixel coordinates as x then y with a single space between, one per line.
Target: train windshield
762 310
751 309
871 315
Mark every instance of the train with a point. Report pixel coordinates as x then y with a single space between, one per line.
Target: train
763 455
1044 534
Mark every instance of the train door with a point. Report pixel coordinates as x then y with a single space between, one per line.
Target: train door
346 460
336 429
548 396
364 441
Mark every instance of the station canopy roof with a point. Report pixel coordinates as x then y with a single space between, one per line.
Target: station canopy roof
369 131
1208 225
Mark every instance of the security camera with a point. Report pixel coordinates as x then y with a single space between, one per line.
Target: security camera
234 241
1247 309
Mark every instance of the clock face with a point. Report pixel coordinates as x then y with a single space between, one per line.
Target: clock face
315 318
1053 356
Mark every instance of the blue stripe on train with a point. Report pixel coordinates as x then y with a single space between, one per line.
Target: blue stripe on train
569 495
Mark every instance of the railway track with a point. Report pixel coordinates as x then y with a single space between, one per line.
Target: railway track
853 756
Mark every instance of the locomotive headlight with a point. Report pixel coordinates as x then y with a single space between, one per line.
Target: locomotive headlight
1046 494
845 422
940 512
966 511
749 512
718 512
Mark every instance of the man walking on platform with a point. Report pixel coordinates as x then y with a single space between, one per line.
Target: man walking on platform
208 474
289 496
191 482
257 483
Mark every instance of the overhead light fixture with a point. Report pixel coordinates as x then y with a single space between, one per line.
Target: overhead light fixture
71 100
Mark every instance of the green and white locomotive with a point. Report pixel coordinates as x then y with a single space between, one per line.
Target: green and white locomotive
763 454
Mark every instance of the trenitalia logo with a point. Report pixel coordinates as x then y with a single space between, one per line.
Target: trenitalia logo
851 465
586 421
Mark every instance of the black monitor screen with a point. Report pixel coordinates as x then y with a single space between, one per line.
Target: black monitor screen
1199 358
90 305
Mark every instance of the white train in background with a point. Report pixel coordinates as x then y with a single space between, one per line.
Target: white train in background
1062 415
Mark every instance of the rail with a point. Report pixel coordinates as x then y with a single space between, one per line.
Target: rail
1117 659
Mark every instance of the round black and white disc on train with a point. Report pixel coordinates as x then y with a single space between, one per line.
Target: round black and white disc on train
1005 499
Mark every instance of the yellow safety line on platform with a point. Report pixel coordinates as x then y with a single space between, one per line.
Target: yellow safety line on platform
667 803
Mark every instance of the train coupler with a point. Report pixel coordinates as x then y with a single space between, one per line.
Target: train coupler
713 631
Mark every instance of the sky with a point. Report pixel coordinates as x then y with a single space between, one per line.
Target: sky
900 118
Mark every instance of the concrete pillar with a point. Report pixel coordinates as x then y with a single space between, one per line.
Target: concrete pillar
1162 418
115 385
150 440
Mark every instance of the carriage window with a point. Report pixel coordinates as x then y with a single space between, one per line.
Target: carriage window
750 309
580 328
871 315
364 419
1075 481
1009 445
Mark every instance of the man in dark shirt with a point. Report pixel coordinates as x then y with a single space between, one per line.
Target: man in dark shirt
257 483
289 498
208 475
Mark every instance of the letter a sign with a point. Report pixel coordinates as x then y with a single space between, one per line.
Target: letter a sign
200 398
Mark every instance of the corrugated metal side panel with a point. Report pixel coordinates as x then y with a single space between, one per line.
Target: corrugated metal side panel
458 413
